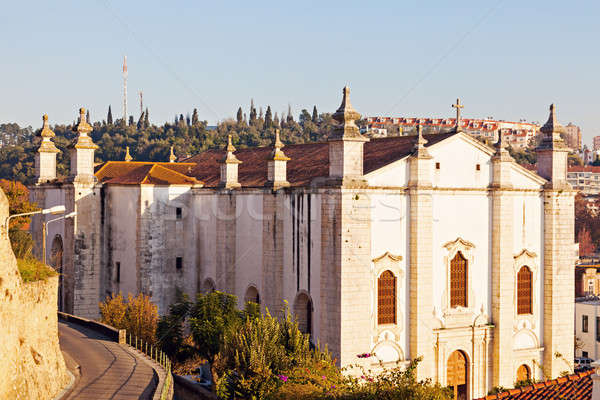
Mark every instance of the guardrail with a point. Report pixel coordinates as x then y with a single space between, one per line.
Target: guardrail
158 356
121 336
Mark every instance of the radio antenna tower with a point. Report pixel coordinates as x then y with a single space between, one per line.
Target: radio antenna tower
141 103
125 90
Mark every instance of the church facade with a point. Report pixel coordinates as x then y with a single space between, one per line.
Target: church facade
431 246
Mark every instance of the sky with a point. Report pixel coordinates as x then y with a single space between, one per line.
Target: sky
505 59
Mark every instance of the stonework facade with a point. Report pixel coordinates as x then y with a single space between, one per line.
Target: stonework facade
455 225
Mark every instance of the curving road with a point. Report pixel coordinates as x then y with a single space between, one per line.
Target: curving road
108 370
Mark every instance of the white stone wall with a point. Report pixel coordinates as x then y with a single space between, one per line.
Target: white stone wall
587 339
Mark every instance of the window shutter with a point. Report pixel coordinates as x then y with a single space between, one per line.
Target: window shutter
524 290
458 281
386 298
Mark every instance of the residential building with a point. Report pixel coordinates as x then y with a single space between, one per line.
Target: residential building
434 246
573 137
587 280
587 327
585 179
518 135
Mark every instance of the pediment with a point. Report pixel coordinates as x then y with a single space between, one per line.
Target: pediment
525 253
387 255
459 242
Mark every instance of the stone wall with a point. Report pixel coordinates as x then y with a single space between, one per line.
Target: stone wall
32 364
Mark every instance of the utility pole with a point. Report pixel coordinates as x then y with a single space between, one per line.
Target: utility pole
125 117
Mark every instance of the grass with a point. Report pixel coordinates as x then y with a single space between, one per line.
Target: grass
32 269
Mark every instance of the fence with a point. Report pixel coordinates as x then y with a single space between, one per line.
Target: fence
158 356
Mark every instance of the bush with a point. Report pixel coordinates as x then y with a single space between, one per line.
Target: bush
32 269
138 315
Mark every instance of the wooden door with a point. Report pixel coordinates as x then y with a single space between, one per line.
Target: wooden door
457 375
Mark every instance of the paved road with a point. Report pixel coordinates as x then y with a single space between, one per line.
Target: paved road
108 371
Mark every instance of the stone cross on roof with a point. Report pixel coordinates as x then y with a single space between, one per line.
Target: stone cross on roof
458 107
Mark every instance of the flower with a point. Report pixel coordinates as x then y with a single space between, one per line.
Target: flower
283 377
323 377
364 355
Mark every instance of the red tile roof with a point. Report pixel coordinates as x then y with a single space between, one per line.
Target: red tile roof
584 168
308 161
135 173
572 387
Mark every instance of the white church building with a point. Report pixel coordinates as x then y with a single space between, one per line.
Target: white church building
433 246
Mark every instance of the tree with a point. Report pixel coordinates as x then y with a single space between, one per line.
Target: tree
140 123
239 116
131 120
315 115
252 112
268 118
586 247
290 117
87 117
138 315
195 117
109 117
146 119
18 202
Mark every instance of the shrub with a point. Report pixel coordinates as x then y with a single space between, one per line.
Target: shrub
32 269
138 315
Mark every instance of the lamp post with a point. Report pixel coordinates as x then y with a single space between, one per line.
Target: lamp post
52 210
45 229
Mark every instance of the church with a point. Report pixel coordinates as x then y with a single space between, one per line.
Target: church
433 246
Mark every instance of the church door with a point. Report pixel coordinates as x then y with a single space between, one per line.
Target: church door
458 374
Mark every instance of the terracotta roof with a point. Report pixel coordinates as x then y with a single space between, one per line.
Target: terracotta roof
308 161
584 168
572 387
135 173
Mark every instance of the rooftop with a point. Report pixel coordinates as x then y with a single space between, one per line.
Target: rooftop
572 387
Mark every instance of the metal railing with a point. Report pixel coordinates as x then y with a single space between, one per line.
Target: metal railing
156 354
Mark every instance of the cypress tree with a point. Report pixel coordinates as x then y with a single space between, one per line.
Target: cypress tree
268 118
315 116
290 118
260 113
109 118
195 117
252 112
240 116
131 121
140 123
188 120
87 116
276 120
146 119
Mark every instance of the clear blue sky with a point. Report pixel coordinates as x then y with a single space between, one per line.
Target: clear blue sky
507 59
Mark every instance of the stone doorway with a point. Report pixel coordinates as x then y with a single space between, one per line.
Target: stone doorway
303 310
57 263
458 375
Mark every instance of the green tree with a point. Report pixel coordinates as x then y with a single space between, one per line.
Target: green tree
315 115
195 117
109 117
268 118
146 119
239 116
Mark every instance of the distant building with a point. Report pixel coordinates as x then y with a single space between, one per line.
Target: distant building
573 136
516 134
585 178
596 143
587 280
587 327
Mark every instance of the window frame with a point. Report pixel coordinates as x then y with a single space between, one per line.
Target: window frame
382 318
458 299
522 308
584 323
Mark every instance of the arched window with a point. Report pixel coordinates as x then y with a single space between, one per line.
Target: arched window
252 295
524 291
458 281
386 298
523 373
303 312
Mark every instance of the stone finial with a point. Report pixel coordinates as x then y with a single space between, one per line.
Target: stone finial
127 155
500 147
172 156
278 154
229 167
551 131
83 129
346 116
420 150
230 158
277 165
47 146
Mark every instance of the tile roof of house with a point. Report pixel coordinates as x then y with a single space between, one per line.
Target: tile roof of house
308 161
572 387
584 168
